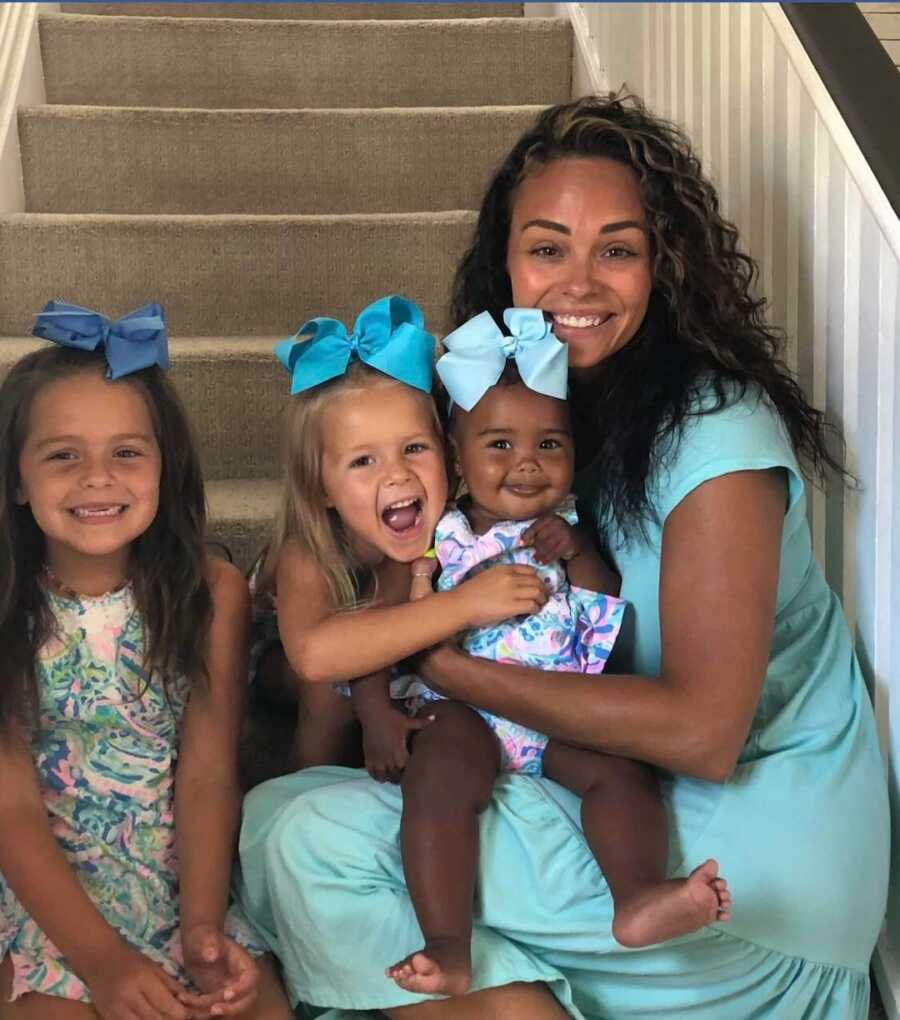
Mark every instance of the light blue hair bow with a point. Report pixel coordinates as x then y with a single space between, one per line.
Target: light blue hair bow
387 336
137 340
477 353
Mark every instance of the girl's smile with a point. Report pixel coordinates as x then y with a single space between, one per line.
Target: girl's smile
89 470
390 488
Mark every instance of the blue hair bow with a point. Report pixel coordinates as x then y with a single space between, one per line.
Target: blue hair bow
387 336
477 353
137 340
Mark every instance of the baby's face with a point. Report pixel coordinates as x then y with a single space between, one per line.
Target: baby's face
515 451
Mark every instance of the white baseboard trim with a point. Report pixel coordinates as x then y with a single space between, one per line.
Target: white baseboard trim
886 964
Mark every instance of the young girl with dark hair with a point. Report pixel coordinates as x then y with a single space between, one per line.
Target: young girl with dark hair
124 648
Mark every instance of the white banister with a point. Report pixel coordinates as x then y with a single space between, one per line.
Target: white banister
21 84
792 177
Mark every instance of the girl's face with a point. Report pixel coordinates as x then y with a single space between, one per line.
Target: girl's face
579 249
514 449
89 469
383 470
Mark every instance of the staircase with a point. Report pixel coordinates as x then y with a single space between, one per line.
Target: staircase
251 166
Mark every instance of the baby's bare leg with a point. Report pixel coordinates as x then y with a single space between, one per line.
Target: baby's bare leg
446 785
625 825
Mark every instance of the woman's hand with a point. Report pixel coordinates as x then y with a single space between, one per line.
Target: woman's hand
129 986
224 972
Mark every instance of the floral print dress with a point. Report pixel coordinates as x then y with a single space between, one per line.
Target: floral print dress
105 752
573 632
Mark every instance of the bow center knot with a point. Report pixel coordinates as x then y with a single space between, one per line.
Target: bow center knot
510 346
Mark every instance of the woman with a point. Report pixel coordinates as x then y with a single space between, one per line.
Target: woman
738 677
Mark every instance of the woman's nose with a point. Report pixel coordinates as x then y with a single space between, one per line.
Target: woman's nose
582 278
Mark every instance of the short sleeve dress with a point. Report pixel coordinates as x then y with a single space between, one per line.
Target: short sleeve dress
801 828
105 751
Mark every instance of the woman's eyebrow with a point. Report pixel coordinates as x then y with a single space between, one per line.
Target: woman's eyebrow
607 228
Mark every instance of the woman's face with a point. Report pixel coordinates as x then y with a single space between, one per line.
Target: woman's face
579 249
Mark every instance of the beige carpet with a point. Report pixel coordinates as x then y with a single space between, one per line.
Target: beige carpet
255 170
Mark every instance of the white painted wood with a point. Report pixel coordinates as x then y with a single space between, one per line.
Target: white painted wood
812 213
21 83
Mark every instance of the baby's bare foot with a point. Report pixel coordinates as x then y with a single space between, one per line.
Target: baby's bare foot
673 907
441 967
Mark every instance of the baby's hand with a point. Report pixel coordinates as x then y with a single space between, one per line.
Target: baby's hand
386 744
553 539
501 592
224 971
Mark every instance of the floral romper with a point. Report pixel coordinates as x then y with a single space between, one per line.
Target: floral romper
573 632
105 753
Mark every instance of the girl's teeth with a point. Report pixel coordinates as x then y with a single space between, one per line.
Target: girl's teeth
112 511
580 321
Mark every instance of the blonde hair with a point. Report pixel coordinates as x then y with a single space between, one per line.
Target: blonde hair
303 516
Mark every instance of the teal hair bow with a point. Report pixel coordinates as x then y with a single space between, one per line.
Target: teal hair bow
387 336
137 340
477 353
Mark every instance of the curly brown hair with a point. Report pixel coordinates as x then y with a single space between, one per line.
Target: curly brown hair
704 326
167 563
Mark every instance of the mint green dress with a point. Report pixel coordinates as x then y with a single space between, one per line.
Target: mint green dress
800 830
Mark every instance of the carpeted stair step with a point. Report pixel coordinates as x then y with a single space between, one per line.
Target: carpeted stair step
235 392
122 160
301 11
241 511
228 275
233 64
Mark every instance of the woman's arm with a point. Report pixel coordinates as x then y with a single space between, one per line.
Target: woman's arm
325 646
718 581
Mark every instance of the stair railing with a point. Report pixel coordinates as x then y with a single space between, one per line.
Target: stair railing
793 177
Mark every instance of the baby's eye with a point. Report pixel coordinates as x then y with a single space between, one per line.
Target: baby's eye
499 444
364 461
551 444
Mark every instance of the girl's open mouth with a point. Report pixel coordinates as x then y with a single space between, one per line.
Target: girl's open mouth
403 516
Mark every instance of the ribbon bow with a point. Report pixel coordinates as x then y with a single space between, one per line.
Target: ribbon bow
387 336
478 351
137 340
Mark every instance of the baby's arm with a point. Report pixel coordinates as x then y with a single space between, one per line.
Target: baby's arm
555 539
119 978
325 646
207 799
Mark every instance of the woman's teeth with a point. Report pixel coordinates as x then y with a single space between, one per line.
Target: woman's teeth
580 321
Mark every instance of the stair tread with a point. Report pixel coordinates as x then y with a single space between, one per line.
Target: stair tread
146 160
184 62
301 11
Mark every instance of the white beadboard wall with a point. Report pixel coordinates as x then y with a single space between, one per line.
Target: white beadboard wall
810 211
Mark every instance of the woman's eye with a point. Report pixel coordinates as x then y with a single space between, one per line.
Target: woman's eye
545 251
618 251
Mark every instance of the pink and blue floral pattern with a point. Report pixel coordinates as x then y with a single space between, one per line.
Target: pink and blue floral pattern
105 752
574 632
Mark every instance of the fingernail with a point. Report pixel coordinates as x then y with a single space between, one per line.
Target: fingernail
228 994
